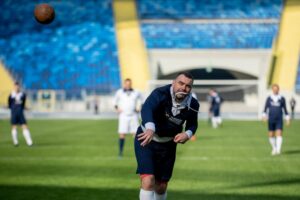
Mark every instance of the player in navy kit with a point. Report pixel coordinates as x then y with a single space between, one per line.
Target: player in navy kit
164 114
274 108
215 106
16 104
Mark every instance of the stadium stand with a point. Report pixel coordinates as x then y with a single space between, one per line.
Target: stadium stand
77 51
226 36
241 34
209 9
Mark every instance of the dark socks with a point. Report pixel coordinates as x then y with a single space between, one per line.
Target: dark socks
121 146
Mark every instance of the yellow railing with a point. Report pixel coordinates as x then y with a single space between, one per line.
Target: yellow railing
132 52
287 46
6 85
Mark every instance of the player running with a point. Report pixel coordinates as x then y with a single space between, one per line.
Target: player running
215 106
164 114
16 104
126 103
273 112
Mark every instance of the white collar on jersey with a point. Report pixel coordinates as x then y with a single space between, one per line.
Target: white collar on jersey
275 98
176 107
16 95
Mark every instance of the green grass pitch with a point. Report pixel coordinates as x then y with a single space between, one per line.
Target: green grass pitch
77 160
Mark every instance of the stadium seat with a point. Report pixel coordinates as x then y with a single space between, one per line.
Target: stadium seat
77 51
209 9
208 36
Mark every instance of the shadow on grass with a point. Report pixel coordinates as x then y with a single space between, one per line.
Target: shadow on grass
13 192
292 152
289 182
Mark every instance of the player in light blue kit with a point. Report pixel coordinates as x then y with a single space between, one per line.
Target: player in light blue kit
274 108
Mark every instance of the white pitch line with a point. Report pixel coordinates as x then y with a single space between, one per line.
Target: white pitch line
188 158
226 147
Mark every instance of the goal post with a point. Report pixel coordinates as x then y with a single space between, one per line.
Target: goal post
240 96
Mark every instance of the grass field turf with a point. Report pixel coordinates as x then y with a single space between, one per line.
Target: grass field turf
77 160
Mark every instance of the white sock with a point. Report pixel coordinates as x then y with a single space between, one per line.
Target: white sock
160 196
219 120
272 141
146 195
278 143
27 137
214 122
14 134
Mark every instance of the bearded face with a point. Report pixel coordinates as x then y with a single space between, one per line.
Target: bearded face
182 87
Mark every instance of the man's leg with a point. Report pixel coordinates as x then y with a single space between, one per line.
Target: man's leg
121 143
219 120
160 190
214 122
27 135
272 141
147 187
14 134
123 129
278 141
144 156
164 169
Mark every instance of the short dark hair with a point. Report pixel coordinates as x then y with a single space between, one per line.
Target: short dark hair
17 83
127 79
275 85
186 74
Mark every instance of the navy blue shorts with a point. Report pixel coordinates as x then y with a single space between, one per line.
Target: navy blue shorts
155 158
17 119
216 112
275 125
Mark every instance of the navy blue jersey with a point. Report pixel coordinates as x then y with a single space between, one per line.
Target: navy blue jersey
274 107
158 110
16 101
215 102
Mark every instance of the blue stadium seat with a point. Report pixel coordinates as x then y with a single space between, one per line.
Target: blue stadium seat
298 78
209 9
208 36
77 51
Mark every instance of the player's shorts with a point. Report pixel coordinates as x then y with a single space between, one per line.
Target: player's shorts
216 112
18 119
155 158
128 123
275 125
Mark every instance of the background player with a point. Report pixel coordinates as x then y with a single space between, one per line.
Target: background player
16 103
163 115
126 103
293 106
215 105
273 112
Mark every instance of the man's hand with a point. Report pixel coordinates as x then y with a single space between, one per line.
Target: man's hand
181 138
146 137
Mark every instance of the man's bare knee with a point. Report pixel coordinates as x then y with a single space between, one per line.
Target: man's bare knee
161 187
148 182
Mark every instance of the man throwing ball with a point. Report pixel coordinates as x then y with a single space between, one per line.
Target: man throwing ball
164 114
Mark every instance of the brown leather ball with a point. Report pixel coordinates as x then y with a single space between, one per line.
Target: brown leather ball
44 13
